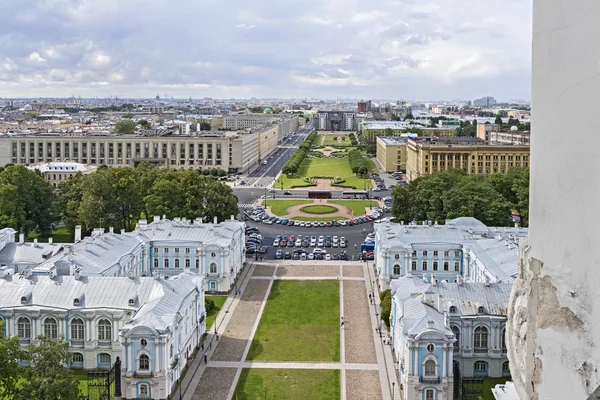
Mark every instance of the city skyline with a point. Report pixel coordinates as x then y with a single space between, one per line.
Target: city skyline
394 49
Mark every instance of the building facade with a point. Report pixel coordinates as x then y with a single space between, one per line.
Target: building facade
442 332
492 134
391 153
335 120
429 155
57 172
152 324
463 246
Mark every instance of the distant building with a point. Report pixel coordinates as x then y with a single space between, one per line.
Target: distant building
426 155
391 153
363 106
335 120
486 101
57 172
492 134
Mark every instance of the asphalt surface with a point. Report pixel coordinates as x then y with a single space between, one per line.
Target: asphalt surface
354 235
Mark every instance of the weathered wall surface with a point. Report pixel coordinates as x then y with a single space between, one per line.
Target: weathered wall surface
554 313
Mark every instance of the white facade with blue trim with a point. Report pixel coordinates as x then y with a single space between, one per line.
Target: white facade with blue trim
153 324
440 330
463 246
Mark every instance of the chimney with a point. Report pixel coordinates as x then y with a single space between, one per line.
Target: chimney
21 237
232 218
516 224
164 216
430 324
35 242
78 233
156 218
122 231
111 230
487 281
216 221
459 279
50 240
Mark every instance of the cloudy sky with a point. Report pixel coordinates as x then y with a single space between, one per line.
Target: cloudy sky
395 49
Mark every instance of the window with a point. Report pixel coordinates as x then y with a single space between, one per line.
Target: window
480 337
480 366
480 310
187 262
50 328
143 342
456 332
166 263
213 255
413 266
104 330
104 358
213 268
456 266
430 347
429 368
396 269
446 253
424 253
424 265
144 362
435 265
144 390
77 329
213 286
177 250
187 250
435 253
166 250
78 358
452 309
177 263
197 263
446 266
456 253
505 368
397 256
414 253
156 263
24 328
503 340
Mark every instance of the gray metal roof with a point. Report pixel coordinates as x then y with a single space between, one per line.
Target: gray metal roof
28 253
220 234
468 297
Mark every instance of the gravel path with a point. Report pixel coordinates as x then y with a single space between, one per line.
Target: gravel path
363 385
263 270
235 338
354 271
308 270
360 347
214 384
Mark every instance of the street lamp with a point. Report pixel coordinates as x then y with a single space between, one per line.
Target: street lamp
265 196
393 386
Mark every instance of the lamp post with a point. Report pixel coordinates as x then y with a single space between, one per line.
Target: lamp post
265 196
393 386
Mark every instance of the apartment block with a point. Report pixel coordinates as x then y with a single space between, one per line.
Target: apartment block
391 153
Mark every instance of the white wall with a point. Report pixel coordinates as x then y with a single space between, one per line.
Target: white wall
555 307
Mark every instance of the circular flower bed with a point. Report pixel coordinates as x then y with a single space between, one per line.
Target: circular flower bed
319 209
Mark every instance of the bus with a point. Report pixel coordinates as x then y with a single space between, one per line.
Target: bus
356 194
319 194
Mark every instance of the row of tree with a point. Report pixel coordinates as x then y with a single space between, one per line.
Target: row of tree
118 197
358 164
453 193
46 376
292 165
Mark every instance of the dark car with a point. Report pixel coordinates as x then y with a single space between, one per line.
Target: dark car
290 243
300 251
335 257
287 193
287 255
250 249
282 243
290 223
327 243
335 223
329 224
321 224
263 249
295 256
305 243
278 254
343 255
318 256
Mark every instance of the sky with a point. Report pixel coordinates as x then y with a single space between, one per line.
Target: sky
386 49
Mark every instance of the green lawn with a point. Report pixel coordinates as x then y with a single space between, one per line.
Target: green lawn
59 235
279 207
212 314
295 181
282 384
319 209
334 167
357 206
300 322
329 140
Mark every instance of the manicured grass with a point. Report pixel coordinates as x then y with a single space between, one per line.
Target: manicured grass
330 140
294 384
319 209
294 181
357 206
58 235
300 322
212 314
371 165
279 207
336 167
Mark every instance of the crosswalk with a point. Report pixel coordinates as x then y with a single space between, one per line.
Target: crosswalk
244 205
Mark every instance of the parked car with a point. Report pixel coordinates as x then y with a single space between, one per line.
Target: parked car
327 257
287 193
278 254
318 250
287 255
311 256
263 249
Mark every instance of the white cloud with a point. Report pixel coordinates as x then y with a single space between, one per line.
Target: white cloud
394 48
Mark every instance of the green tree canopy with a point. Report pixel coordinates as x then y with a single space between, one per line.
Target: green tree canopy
125 127
10 354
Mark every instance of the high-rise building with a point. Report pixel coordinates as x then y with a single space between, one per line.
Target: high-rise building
486 101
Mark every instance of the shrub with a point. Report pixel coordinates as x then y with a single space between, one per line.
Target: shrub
209 304
386 306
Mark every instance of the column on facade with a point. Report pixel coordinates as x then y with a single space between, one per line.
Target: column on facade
129 354
156 353
415 351
445 356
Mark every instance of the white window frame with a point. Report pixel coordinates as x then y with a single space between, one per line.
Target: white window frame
51 328
77 329
104 330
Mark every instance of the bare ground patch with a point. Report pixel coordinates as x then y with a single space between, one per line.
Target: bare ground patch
360 347
308 270
354 271
214 384
363 385
263 270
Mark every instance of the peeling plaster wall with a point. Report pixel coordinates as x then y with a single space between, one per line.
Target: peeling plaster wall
554 312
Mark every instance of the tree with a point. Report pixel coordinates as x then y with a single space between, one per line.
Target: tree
478 199
205 126
409 116
401 203
385 299
389 131
125 127
48 375
498 120
145 124
10 354
128 115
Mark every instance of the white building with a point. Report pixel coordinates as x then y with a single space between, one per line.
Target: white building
57 172
153 324
462 246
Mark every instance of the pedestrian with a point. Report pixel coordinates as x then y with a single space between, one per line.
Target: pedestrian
239 292
210 345
205 358
217 337
202 346
342 324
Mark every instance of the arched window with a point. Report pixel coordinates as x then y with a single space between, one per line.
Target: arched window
104 360
77 359
480 368
505 368
456 332
212 286
77 329
213 268
481 310
429 368
104 330
503 339
396 269
429 394
24 328
50 328
177 262
144 362
452 309
480 339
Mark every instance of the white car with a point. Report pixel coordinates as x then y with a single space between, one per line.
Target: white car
296 223
298 243
342 222
311 256
302 224
327 257
317 250
334 239
315 224
276 243
264 163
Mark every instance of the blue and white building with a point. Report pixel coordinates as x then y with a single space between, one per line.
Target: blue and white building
152 323
441 331
463 246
